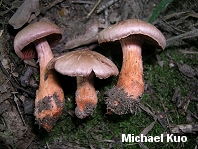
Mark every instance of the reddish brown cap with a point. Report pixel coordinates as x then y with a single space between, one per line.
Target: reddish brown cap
145 31
23 42
82 63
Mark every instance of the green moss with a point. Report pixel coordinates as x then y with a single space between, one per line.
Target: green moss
101 130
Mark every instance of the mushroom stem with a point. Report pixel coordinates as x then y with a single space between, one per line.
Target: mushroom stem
131 75
44 56
86 97
50 98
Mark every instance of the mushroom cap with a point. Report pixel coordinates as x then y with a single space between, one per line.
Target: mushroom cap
23 42
82 63
145 31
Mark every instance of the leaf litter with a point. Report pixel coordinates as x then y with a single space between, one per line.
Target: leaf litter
186 70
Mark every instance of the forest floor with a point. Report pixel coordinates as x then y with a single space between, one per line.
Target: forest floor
170 98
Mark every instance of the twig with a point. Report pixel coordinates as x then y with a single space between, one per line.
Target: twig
12 82
189 34
188 52
194 116
169 24
106 17
16 101
72 5
82 2
50 6
147 110
106 5
1 32
167 119
96 5
175 14
188 97
6 11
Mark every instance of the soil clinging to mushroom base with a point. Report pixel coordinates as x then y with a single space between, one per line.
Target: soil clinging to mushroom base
88 110
119 102
45 105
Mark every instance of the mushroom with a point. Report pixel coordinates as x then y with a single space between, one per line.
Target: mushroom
37 38
132 34
84 64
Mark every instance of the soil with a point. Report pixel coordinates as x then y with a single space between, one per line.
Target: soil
119 102
88 110
46 104
20 79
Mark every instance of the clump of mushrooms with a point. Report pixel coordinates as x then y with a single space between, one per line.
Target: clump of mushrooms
132 34
84 64
35 39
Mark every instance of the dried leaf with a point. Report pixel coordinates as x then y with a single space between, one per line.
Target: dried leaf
177 95
189 117
4 88
31 62
114 17
192 14
145 132
17 3
148 128
5 63
143 146
161 117
186 70
147 110
23 14
90 36
185 128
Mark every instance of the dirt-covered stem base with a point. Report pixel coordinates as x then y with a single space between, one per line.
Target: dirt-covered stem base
126 95
49 101
86 97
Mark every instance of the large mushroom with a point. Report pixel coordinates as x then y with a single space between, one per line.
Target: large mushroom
132 34
35 39
84 64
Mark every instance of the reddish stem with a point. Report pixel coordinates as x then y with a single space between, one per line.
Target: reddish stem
50 98
131 75
86 97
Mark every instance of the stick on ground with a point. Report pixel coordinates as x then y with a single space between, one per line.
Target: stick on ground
13 83
190 34
96 5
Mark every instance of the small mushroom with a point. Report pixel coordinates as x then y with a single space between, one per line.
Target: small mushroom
84 64
132 34
37 39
